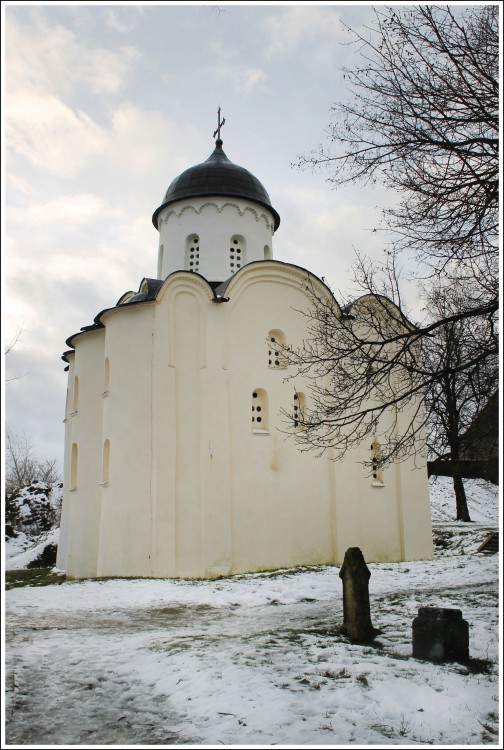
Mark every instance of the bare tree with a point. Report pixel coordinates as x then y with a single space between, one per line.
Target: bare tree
365 375
22 468
456 399
373 373
423 120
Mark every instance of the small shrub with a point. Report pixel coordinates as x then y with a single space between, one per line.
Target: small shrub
46 559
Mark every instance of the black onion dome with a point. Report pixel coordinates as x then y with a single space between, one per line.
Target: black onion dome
217 176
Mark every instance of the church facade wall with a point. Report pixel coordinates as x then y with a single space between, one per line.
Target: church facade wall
195 488
413 490
178 461
82 493
64 532
127 501
281 498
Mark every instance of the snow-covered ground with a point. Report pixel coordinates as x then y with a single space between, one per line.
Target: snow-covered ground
482 500
258 659
23 549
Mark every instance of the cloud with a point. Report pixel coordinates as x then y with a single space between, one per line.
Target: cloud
290 26
48 69
60 141
129 145
21 184
107 71
73 209
325 244
50 58
123 20
242 77
48 133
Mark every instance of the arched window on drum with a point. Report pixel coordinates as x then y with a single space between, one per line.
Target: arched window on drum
192 253
236 253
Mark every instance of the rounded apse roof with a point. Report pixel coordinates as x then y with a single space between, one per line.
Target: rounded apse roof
217 176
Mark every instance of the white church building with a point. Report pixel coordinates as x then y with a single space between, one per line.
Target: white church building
176 460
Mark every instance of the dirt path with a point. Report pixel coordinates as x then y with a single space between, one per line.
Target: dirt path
97 677
63 673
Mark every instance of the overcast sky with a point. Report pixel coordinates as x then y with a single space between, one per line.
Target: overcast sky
104 105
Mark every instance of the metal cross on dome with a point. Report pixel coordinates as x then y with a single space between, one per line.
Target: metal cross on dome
219 125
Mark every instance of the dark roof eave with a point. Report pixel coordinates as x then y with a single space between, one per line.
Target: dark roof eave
83 330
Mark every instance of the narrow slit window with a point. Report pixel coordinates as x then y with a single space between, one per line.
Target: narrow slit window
75 407
106 461
259 410
106 377
73 467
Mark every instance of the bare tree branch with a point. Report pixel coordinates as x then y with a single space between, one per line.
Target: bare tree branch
22 468
422 120
14 341
10 347
461 394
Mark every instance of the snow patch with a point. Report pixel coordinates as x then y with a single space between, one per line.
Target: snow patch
32 548
256 659
482 500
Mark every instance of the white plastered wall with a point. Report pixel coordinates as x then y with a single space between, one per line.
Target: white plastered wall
389 522
192 490
128 501
215 221
82 502
282 499
61 559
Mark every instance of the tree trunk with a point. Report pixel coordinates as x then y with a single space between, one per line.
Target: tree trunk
460 495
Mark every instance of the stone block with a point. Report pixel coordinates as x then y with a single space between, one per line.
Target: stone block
440 634
355 576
